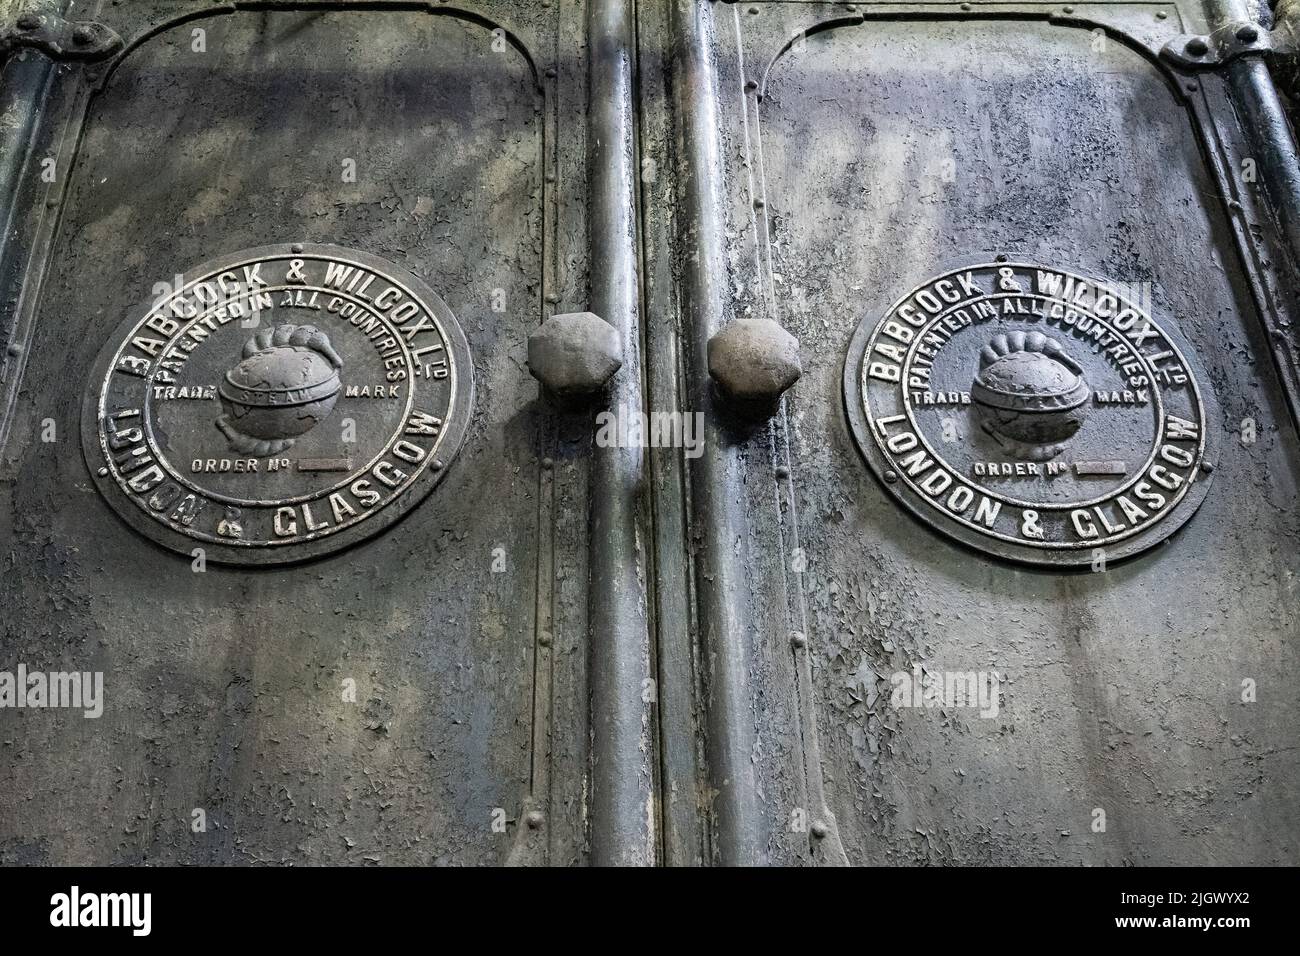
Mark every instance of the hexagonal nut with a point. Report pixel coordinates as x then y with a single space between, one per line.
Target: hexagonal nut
575 354
754 361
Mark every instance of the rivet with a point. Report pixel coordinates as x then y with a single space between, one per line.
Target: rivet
819 830
83 35
548 464
15 349
1161 15
1003 257
753 362
550 177
1068 9
534 819
437 464
102 472
782 471
1233 204
759 204
1197 46
891 476
550 72
753 9
751 85
29 21
544 639
966 7
296 247
798 640
1193 87
1207 467
574 356
1247 34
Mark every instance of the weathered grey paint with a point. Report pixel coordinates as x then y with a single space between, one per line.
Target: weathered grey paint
224 689
760 160
1123 688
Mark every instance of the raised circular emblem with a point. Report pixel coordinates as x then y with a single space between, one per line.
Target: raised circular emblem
1035 413
278 404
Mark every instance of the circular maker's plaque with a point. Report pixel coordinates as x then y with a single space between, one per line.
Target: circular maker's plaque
1034 413
278 404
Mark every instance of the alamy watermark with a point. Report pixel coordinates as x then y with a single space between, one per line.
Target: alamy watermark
80 690
921 687
633 428
75 909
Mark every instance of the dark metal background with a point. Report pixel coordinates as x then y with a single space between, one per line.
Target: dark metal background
685 661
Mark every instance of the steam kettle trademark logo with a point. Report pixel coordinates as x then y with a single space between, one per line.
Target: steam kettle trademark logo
1029 394
286 382
278 404
1031 412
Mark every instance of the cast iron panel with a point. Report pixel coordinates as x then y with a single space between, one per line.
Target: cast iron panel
374 706
887 150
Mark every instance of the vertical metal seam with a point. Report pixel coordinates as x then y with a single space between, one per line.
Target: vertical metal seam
766 301
45 235
538 796
717 517
1268 133
651 500
622 776
1251 88
826 835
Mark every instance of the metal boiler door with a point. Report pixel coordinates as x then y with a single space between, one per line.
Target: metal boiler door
642 433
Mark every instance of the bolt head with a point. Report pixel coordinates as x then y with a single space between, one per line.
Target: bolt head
754 361
575 354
